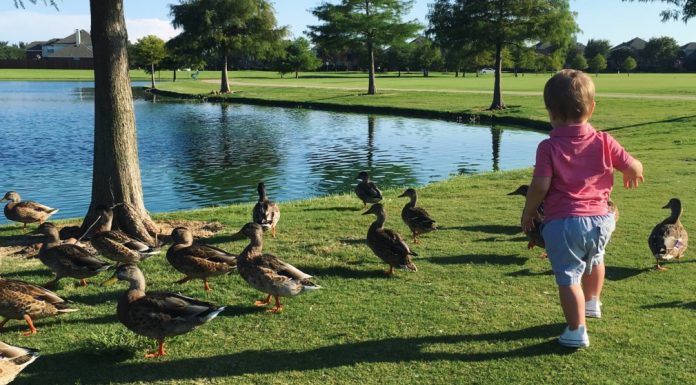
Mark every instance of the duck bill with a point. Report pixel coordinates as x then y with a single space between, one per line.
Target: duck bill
402 195
667 206
110 281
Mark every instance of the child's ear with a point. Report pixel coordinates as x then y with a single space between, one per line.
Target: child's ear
594 104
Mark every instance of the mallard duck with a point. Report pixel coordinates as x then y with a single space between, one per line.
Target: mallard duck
67 260
13 359
25 211
613 209
387 244
267 273
416 218
157 315
534 236
367 191
198 261
65 239
266 213
669 239
23 300
117 245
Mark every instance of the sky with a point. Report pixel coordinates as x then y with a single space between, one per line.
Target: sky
613 20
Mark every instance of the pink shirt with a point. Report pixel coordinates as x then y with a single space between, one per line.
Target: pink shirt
580 162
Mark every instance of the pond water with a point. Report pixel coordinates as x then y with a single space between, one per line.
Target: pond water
200 154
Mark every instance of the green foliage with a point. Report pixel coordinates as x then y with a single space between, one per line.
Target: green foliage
180 54
397 56
660 54
579 63
298 56
629 64
425 54
685 9
597 64
619 55
597 46
149 51
8 51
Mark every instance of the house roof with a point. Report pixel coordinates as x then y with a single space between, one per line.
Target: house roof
635 44
689 49
74 51
85 39
34 46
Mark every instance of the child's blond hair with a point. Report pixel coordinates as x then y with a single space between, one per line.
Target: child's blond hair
569 96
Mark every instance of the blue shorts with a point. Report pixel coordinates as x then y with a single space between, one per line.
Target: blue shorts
576 244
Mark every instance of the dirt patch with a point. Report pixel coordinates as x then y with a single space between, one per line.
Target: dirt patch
199 229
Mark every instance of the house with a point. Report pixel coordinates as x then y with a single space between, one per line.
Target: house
687 56
635 45
76 46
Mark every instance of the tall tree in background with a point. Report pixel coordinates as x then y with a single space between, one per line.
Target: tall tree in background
425 54
495 24
685 9
397 56
370 23
298 56
660 54
149 51
597 46
229 27
180 54
115 170
597 64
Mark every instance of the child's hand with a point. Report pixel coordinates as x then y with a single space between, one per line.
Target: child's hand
632 181
528 221
633 174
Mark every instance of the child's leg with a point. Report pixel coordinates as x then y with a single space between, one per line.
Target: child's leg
592 283
573 304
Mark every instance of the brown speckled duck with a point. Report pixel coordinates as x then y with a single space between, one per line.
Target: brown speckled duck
117 245
416 218
613 209
669 239
265 212
198 261
366 190
534 236
387 244
25 211
13 359
267 273
157 315
67 260
25 301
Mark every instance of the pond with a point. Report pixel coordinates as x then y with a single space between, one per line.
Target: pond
200 154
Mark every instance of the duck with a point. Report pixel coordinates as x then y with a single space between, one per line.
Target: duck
534 237
198 261
669 239
387 244
613 209
25 212
116 245
265 212
416 218
66 239
25 301
67 260
367 191
267 273
157 315
13 359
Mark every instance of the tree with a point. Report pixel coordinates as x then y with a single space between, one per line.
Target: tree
298 56
425 54
181 55
8 51
685 9
619 55
629 65
229 27
149 51
397 56
660 54
598 63
579 63
368 23
495 24
597 46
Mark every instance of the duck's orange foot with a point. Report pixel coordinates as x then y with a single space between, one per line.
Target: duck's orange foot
263 302
660 268
543 255
83 282
530 245
276 309
154 355
30 332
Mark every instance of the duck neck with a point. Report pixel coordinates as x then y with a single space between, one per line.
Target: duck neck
676 212
262 194
136 289
254 248
52 240
412 202
379 222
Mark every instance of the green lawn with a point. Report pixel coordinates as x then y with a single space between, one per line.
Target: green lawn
481 309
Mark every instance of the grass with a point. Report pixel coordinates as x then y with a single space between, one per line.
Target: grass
481 308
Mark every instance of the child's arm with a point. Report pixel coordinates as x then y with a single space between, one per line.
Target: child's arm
632 174
535 196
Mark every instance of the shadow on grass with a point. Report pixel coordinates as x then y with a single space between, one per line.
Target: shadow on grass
672 305
673 120
480 259
360 241
99 368
618 273
337 208
529 273
19 240
489 229
343 272
19 326
23 274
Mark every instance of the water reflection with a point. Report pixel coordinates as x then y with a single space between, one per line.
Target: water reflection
199 154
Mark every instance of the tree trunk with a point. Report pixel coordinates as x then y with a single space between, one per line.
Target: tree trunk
399 72
371 84
456 73
152 74
224 82
497 96
115 172
297 74
174 76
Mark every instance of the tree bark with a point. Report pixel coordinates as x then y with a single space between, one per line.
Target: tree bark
116 171
497 103
371 83
224 82
174 76
152 74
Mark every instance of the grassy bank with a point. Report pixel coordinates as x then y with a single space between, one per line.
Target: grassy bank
481 308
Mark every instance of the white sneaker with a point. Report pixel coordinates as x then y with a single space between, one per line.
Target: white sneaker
577 338
593 308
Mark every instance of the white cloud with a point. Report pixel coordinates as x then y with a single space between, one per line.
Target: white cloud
27 26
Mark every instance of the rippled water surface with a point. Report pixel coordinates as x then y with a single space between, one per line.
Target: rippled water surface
198 154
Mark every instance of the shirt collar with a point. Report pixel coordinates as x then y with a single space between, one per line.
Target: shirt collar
580 129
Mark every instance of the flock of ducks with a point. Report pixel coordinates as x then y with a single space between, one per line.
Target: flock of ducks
161 315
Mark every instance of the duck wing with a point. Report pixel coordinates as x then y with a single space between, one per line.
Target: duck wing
395 243
273 265
266 213
668 240
76 258
368 192
417 217
32 290
166 314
